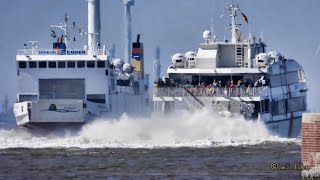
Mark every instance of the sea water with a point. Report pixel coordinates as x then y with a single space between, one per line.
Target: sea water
179 145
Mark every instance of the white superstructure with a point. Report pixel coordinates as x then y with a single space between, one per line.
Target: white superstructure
67 85
236 77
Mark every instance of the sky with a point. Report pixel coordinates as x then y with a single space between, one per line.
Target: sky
287 26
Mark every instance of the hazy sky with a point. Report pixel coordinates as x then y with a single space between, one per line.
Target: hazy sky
288 26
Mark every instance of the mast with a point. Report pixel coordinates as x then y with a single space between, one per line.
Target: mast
233 13
94 25
156 65
128 32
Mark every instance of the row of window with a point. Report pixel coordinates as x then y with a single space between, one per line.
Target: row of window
283 106
62 64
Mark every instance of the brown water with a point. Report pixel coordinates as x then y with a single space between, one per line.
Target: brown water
241 162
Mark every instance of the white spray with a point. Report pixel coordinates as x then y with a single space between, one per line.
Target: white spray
199 129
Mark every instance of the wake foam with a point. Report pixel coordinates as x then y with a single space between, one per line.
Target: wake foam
179 129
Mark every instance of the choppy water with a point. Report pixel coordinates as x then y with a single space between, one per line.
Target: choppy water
180 145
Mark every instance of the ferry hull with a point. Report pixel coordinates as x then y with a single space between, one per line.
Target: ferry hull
51 111
290 128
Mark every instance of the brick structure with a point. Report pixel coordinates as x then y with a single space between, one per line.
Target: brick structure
310 148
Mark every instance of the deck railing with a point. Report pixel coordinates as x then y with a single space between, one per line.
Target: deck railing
60 52
208 92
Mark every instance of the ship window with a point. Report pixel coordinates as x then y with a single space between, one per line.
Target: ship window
296 104
301 75
52 64
122 82
101 64
91 64
71 64
113 84
80 64
61 64
62 88
97 98
27 97
42 64
32 64
22 64
279 107
265 106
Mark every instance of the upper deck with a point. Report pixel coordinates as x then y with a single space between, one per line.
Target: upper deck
61 54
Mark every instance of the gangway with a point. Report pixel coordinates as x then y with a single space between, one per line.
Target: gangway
191 100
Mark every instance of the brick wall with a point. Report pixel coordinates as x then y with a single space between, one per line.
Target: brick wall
310 135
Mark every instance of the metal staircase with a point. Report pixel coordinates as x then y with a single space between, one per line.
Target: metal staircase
239 55
192 101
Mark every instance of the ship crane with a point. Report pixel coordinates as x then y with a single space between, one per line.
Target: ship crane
127 23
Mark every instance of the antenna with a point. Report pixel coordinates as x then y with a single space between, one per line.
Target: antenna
127 23
64 27
34 44
5 105
113 51
157 66
211 28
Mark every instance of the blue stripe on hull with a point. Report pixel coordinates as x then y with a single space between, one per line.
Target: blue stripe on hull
288 119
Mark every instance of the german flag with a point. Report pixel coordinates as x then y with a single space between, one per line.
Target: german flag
245 17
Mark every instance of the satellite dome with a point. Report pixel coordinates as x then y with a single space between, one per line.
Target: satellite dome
127 68
178 60
190 54
262 56
275 55
262 60
207 34
118 63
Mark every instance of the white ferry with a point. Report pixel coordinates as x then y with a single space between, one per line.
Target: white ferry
236 76
71 86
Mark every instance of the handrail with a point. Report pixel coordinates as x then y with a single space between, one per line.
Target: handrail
208 92
188 94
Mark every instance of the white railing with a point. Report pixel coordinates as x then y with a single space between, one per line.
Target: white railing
169 92
61 52
208 92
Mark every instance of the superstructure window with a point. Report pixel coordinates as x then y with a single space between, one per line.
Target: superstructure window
32 64
265 106
61 64
71 64
279 107
122 82
81 64
27 97
101 64
97 98
22 64
43 64
91 64
52 64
